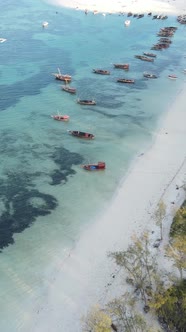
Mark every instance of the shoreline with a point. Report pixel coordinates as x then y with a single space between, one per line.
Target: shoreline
171 7
86 278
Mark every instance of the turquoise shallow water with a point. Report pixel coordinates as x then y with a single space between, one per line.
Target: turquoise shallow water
46 197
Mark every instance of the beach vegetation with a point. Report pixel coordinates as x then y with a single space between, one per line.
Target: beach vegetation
138 261
171 310
176 250
159 216
125 317
178 226
96 320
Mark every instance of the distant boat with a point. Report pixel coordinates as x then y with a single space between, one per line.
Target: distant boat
60 117
124 66
94 167
68 89
152 55
149 75
61 77
127 23
172 77
125 80
101 71
144 58
81 134
44 24
2 40
86 102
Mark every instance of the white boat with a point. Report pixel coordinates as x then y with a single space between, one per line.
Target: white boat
2 40
127 23
44 24
184 71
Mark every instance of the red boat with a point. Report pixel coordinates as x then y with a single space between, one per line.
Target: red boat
60 117
94 167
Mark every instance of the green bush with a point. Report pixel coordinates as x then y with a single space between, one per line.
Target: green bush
172 314
178 226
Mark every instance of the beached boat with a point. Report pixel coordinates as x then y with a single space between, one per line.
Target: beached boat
149 75
61 77
124 66
68 89
125 80
101 71
2 40
81 134
127 23
60 117
44 24
86 102
144 58
172 77
95 167
152 55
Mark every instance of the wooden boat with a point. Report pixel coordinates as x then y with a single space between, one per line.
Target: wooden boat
125 80
68 89
86 102
101 71
61 77
152 55
81 134
60 117
144 58
172 77
149 75
94 167
124 66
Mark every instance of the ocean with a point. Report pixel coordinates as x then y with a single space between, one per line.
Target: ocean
47 199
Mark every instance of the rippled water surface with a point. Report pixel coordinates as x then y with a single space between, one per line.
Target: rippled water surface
47 199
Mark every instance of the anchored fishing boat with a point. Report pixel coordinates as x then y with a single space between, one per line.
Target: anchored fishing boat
44 24
61 77
101 71
81 134
144 58
95 167
149 75
60 117
86 102
152 55
172 77
68 89
127 23
2 40
124 66
125 80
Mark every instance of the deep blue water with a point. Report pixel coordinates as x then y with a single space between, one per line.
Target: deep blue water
46 197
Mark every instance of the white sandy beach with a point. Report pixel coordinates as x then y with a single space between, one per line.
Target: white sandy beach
125 6
86 276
